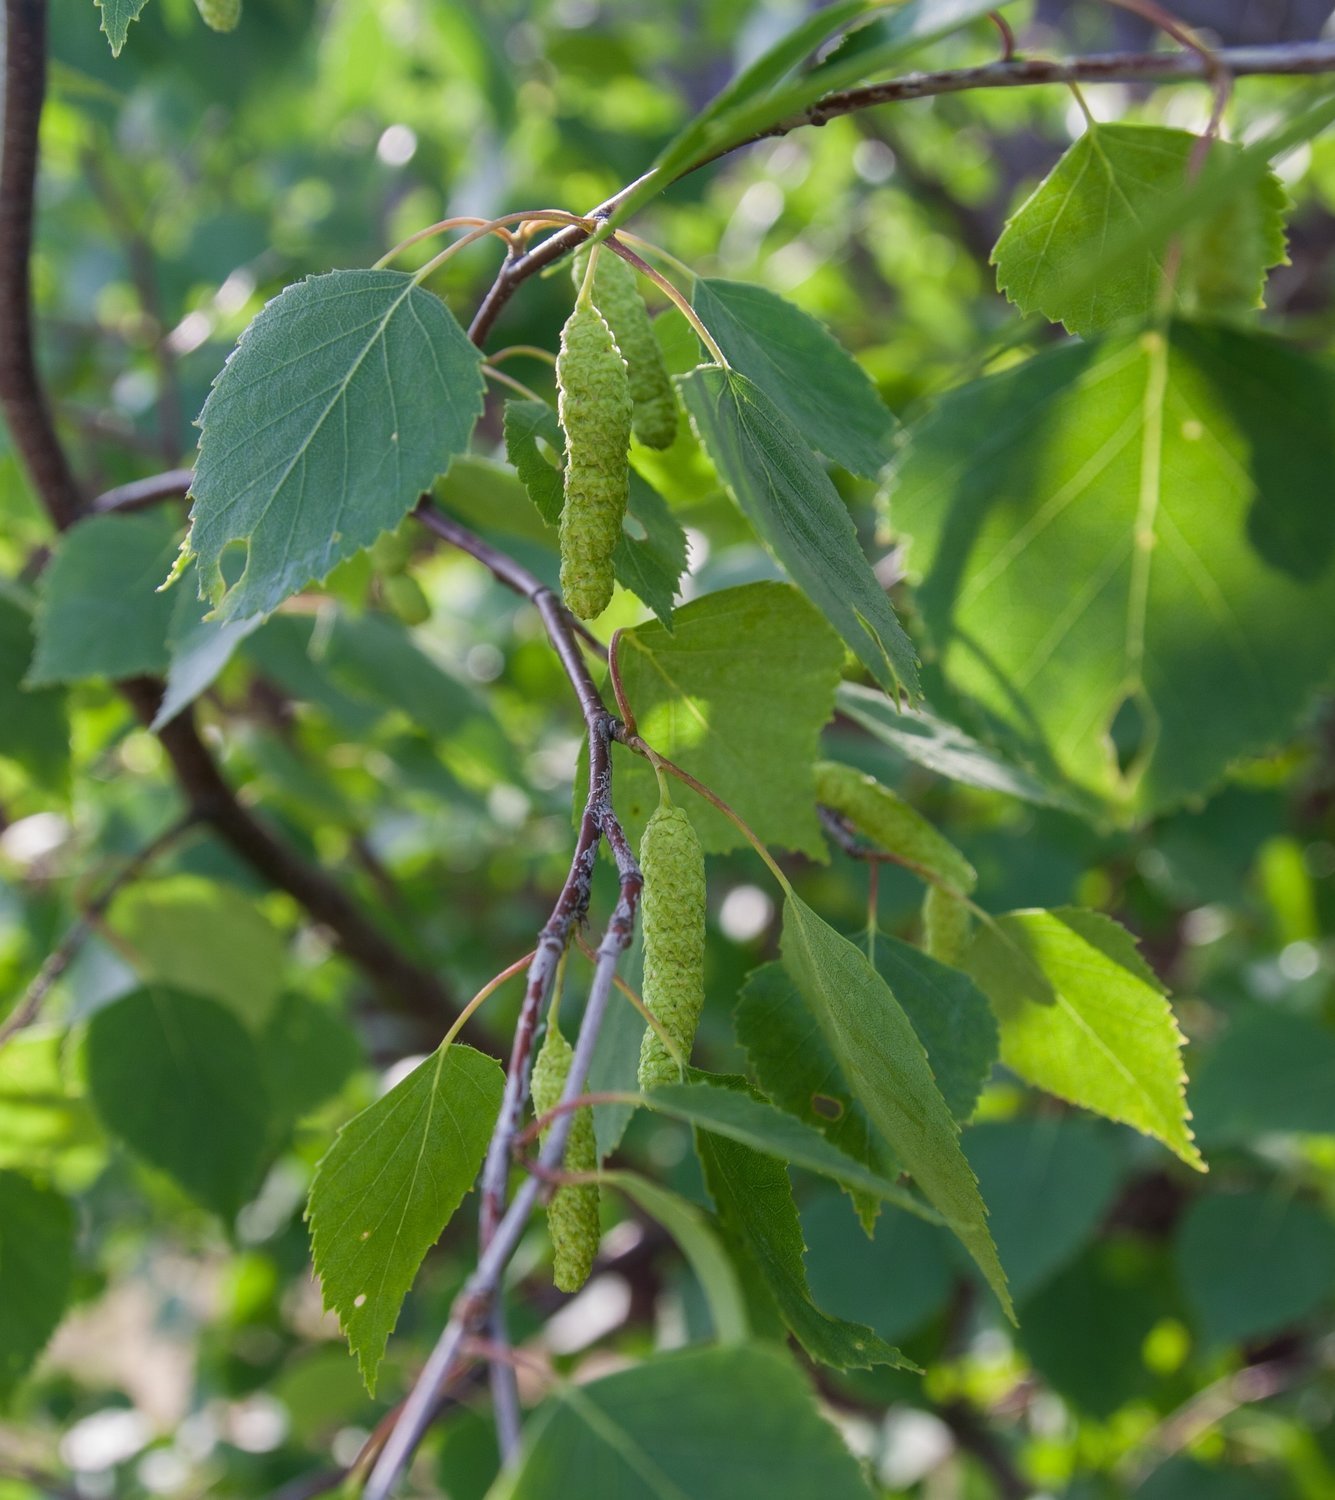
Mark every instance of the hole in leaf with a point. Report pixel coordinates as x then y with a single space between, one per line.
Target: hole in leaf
232 563
827 1108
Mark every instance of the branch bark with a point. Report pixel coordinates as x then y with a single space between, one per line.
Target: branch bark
1304 59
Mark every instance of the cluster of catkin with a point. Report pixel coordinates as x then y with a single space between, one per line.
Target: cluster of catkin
610 377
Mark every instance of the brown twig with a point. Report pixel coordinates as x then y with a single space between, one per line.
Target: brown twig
141 493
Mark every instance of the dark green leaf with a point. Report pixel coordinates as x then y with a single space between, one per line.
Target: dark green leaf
796 511
390 1183
34 729
711 1424
179 1080
36 1273
887 1069
99 614
1252 1263
802 368
342 402
1271 1071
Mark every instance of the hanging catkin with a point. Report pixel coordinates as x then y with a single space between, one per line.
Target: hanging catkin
616 294
572 1214
595 409
674 939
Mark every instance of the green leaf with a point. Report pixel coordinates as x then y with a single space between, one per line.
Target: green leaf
44 1122
754 1200
751 1122
116 18
1084 1018
309 1053
796 1067
1270 1072
736 694
205 938
923 739
179 1080
36 1273
99 614
1048 1183
887 1068
803 369
344 399
198 650
34 727
700 1245
390 1183
1113 180
1140 526
796 511
1252 1263
950 1017
650 556
709 1424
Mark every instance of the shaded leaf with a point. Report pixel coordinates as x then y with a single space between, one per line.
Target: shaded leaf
736 694
1183 483
116 18
36 1272
1271 1071
205 938
1252 1263
343 400
796 511
887 1068
700 1245
34 726
803 369
754 1200
99 614
390 1183
708 1424
179 1080
1083 1017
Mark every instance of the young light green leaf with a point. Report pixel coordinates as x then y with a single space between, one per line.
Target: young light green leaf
45 1123
390 1183
650 557
98 612
343 400
205 938
1185 483
1084 1018
179 1079
887 1069
116 18
1114 180
796 511
751 1122
36 1272
754 1200
736 694
804 370
703 1424
923 739
34 727
700 1245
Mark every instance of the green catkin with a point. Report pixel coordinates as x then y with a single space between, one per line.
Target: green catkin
616 294
874 810
946 926
219 15
595 409
572 1213
674 940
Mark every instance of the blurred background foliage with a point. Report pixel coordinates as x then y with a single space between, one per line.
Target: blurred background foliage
1176 1337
